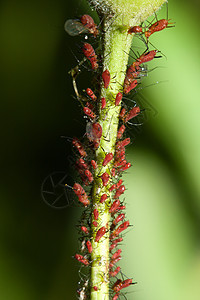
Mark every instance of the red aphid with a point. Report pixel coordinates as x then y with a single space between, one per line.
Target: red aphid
95 223
89 105
135 29
146 57
103 198
126 283
81 163
94 132
129 87
119 191
157 26
91 94
89 112
123 143
119 284
115 243
122 207
119 229
105 178
114 206
96 214
120 162
89 246
124 168
107 159
118 219
116 254
115 272
84 229
81 259
122 113
94 164
118 98
76 143
132 113
103 103
116 296
121 131
88 22
112 188
100 233
113 172
106 78
95 288
89 53
80 192
96 144
88 174
114 261
119 183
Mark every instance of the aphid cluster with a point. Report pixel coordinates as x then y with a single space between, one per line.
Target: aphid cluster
107 172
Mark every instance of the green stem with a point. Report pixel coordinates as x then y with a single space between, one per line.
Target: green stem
117 43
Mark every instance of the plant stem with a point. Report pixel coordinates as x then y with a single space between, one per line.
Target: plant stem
117 43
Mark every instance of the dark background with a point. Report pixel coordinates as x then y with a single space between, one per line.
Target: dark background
161 252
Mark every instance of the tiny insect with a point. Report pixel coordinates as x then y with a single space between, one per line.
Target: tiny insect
116 254
95 223
85 25
103 198
122 113
80 192
100 233
146 57
84 229
123 143
91 94
119 284
119 229
89 113
76 143
121 131
118 99
115 272
106 78
132 113
118 219
105 178
93 131
124 168
81 259
112 188
103 103
119 191
116 296
88 174
130 86
96 214
114 206
135 29
94 164
89 23
107 159
89 246
89 53
114 261
115 243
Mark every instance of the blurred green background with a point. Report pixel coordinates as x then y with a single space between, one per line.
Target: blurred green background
161 251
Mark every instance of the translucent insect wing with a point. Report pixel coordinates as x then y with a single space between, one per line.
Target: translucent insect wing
73 27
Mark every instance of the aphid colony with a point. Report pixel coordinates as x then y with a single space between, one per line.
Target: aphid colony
86 163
